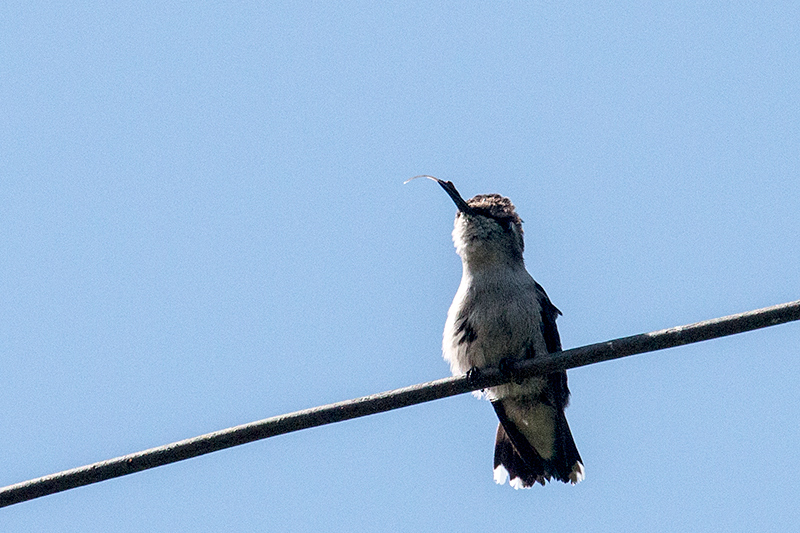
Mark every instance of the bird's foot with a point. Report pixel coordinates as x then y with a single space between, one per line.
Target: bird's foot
473 374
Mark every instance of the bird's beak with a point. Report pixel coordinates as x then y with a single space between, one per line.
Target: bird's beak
451 191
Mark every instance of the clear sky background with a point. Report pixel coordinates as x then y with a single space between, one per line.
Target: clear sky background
203 223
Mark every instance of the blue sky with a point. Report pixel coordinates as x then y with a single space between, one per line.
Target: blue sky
203 224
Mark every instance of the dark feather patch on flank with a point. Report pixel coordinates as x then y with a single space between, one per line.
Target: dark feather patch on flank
466 331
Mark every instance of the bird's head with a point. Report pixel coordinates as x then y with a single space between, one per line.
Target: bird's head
487 230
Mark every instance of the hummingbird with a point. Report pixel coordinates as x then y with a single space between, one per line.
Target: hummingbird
501 315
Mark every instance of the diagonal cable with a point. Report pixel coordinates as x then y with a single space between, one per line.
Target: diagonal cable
395 399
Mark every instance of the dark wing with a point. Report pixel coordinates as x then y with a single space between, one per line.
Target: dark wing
549 315
557 392
512 449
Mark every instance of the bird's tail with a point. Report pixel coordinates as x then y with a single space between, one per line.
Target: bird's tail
534 444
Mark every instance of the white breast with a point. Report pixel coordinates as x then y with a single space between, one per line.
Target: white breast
495 314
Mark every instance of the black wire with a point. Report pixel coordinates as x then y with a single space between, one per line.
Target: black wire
395 399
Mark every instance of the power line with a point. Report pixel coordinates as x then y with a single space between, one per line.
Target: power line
395 399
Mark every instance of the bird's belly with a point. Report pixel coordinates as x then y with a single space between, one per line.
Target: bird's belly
490 338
